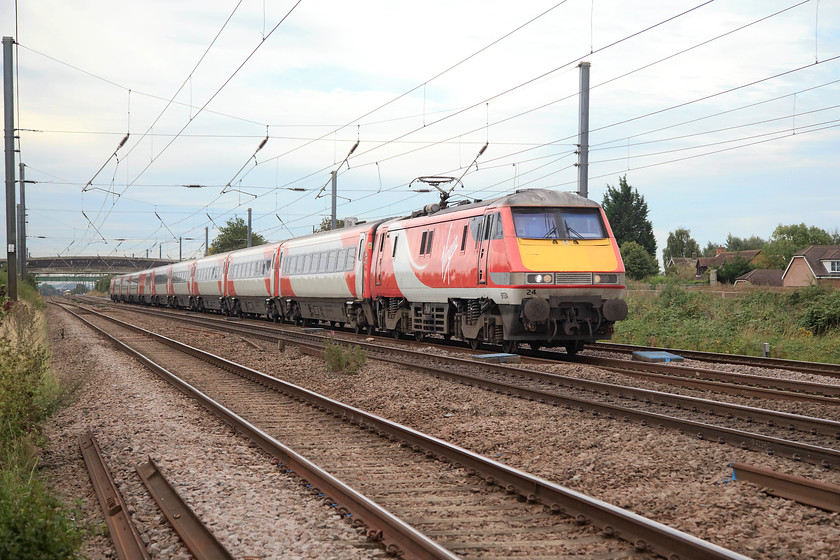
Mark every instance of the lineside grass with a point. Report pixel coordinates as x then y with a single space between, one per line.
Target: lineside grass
34 524
799 324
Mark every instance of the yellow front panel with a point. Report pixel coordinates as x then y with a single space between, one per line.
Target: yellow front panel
582 255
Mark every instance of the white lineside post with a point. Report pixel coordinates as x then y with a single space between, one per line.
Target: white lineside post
583 134
9 124
206 246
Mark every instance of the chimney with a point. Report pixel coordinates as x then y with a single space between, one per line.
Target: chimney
720 250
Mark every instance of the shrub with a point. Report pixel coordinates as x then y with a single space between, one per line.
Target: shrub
33 523
823 314
23 369
347 359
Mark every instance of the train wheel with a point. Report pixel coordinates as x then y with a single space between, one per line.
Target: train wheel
573 348
474 343
369 330
396 333
418 336
510 346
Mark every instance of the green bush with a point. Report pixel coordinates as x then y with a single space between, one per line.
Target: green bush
33 523
823 314
347 359
802 324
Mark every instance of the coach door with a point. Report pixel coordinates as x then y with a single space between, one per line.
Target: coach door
377 255
484 249
361 259
491 228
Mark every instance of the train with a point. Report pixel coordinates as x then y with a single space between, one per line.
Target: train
537 267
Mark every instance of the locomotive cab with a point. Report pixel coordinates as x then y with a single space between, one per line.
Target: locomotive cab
569 274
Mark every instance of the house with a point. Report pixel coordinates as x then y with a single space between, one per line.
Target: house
761 277
722 257
818 264
682 262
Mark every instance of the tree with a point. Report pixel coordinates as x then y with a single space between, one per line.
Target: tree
734 243
234 235
326 222
80 289
679 244
710 250
787 240
729 271
638 263
103 285
627 212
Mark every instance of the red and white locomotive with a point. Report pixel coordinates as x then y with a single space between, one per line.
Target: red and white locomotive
538 266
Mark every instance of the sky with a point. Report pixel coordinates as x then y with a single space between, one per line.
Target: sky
724 115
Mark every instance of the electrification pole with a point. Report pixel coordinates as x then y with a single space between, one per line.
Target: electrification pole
9 123
22 224
334 189
206 246
249 227
583 135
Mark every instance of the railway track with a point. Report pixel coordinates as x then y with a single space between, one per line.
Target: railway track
815 368
472 506
746 427
765 387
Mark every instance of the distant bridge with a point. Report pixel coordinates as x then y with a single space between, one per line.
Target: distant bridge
84 270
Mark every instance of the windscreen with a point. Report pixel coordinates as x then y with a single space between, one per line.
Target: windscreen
558 223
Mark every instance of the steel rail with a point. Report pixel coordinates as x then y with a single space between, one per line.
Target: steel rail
124 534
803 490
202 544
643 533
744 383
822 456
741 384
817 368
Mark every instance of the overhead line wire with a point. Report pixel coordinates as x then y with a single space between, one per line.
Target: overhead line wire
394 140
235 72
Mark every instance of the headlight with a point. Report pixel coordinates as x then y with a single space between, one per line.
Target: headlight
541 278
606 279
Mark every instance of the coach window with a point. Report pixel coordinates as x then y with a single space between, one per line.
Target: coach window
423 243
496 229
464 238
394 252
429 242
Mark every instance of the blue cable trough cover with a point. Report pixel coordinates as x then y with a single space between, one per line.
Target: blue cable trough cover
656 356
501 358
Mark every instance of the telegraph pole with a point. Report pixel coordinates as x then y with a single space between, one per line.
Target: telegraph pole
206 246
583 134
9 123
